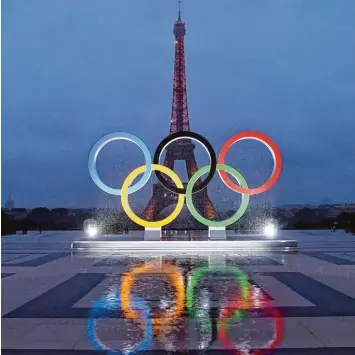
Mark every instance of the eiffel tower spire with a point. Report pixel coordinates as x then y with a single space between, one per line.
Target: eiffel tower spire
179 18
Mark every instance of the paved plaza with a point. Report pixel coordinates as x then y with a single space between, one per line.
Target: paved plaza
55 302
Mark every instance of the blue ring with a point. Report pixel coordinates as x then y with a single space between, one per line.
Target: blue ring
95 150
104 305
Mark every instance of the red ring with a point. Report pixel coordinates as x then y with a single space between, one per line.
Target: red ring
275 154
274 343
277 316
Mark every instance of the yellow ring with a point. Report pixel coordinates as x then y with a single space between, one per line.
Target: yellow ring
124 196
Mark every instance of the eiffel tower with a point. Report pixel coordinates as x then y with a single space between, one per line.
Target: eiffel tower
182 149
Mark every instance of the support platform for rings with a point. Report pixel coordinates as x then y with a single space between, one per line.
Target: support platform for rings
152 234
195 246
217 233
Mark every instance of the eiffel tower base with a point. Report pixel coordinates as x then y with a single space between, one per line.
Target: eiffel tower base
163 198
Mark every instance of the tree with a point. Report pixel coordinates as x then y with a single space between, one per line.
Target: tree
42 216
7 225
344 220
60 212
305 216
348 221
61 218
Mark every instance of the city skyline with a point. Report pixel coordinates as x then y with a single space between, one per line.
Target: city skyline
75 73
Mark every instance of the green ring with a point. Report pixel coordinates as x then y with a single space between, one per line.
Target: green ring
243 206
201 272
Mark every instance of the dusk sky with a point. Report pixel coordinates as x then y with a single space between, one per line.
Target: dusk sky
75 70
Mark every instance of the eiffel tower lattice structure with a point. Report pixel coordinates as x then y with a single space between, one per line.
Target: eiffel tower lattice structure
182 149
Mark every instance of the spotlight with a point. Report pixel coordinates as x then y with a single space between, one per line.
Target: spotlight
90 228
91 231
270 229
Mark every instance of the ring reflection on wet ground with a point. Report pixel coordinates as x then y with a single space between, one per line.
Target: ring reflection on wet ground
163 303
300 303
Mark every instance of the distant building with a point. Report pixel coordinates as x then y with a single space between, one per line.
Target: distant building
10 203
13 212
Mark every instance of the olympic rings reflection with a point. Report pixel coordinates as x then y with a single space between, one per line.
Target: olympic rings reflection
267 311
100 310
173 273
213 322
200 273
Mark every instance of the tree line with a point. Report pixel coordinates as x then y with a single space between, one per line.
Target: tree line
42 218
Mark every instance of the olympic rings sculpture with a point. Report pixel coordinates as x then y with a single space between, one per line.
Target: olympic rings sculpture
101 309
192 187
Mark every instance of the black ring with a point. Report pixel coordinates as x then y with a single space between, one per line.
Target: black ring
194 136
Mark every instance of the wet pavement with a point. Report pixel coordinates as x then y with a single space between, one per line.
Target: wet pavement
55 302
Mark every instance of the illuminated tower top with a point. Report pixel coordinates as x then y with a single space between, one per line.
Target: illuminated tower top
179 28
179 115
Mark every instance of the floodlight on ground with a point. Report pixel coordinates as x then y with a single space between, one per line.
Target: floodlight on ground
92 231
90 228
270 229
